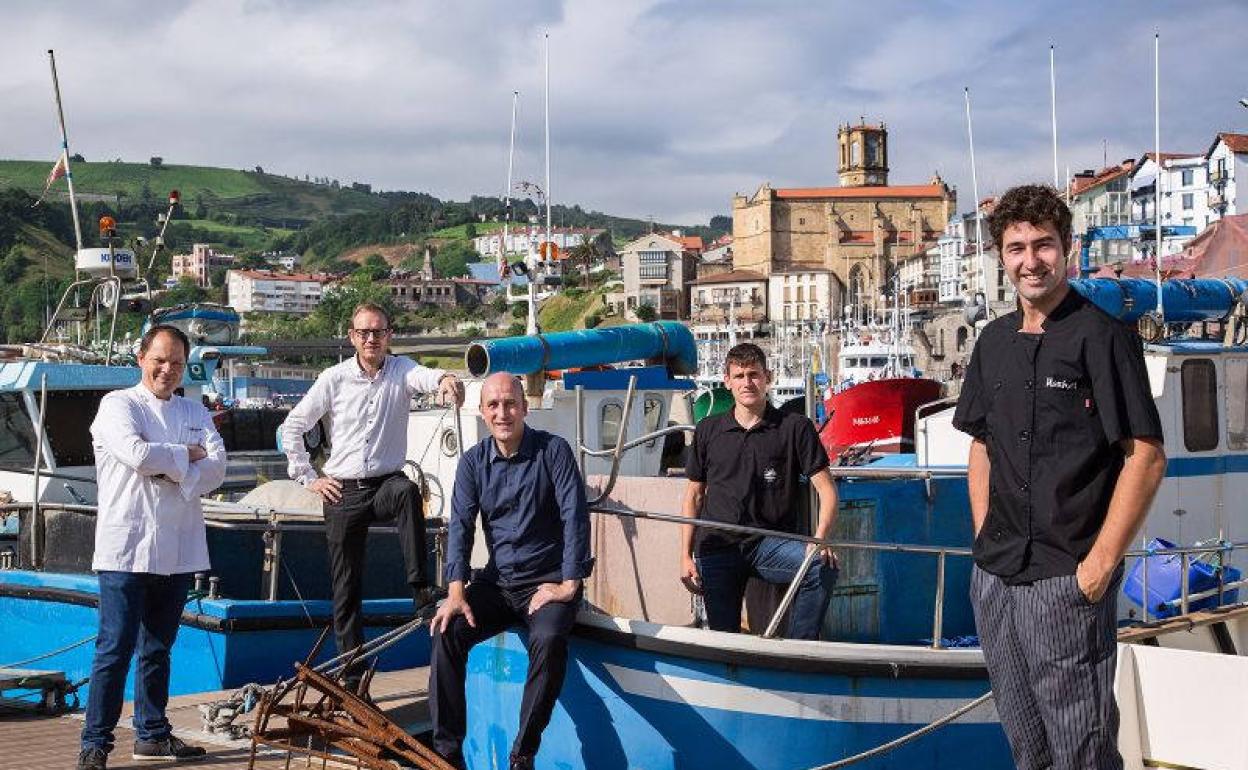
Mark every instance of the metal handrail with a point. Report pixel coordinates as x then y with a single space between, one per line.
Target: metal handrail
618 450
790 594
941 553
644 439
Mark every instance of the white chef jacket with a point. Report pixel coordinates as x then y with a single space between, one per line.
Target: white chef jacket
150 518
367 418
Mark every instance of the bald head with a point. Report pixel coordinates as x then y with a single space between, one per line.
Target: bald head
501 382
503 408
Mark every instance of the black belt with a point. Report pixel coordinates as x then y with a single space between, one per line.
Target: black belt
371 481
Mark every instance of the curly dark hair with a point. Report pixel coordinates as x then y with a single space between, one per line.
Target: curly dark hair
746 354
1034 203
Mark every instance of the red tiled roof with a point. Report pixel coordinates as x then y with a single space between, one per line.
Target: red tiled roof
691 242
890 191
265 275
1171 155
735 276
1237 142
1107 174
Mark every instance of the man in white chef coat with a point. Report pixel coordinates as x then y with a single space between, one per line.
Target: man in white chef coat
365 402
156 453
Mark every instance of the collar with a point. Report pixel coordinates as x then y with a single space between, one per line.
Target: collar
150 397
1072 302
525 450
359 368
771 418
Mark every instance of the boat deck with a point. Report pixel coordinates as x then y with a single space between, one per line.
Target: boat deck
29 741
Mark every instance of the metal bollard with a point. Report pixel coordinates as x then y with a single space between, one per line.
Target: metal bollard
214 587
201 582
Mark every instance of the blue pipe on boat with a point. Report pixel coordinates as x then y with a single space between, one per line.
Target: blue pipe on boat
1183 300
668 340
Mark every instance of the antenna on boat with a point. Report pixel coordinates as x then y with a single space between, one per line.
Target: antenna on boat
1161 312
547 249
1053 110
970 136
69 176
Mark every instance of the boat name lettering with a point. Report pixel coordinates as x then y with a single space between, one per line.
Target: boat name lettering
872 420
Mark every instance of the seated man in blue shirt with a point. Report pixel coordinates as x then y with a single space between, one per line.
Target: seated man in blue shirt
525 484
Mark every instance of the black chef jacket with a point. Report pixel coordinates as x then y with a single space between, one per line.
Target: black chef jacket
1052 409
757 477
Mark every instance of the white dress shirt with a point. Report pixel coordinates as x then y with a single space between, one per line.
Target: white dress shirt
150 518
367 418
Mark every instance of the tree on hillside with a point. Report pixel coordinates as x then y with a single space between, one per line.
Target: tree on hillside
451 261
185 292
375 267
332 317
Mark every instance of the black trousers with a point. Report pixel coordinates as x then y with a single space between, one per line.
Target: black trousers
495 608
383 499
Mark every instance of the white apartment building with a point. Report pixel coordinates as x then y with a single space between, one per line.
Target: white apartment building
521 238
657 271
1184 197
199 264
1103 199
803 295
1227 166
949 248
255 291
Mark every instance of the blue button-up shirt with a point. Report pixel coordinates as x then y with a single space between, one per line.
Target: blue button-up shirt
533 513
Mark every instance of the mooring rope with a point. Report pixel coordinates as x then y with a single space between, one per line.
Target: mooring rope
884 748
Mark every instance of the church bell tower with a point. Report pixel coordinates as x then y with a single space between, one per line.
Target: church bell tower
864 155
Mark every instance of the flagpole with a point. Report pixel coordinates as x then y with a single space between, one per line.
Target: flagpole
503 270
69 176
1161 313
1053 110
970 136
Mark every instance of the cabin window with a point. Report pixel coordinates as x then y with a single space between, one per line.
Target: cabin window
1200 405
653 410
1237 403
17 433
609 424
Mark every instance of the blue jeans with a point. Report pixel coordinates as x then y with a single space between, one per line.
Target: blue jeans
724 573
139 613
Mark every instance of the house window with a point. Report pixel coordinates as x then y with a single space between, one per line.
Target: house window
1200 405
801 221
1187 176
1187 201
652 409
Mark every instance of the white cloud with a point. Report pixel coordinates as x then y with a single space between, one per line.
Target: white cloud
662 108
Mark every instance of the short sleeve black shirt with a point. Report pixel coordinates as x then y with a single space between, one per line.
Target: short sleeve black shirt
757 477
1052 409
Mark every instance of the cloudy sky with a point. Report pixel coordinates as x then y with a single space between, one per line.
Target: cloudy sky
661 109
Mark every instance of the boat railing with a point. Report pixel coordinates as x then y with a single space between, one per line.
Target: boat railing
270 523
942 554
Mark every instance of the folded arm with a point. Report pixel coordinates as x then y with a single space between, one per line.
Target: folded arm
208 473
116 429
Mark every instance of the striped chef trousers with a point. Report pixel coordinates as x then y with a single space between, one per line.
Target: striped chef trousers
1051 656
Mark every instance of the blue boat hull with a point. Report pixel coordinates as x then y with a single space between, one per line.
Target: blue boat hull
222 644
642 701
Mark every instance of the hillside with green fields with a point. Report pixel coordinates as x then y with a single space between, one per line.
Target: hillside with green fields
247 195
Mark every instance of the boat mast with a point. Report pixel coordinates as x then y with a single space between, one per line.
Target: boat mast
503 269
1053 110
979 231
69 176
1161 312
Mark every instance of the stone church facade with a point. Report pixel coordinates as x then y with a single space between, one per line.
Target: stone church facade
859 231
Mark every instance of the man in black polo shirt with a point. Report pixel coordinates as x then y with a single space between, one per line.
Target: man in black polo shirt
751 466
1065 461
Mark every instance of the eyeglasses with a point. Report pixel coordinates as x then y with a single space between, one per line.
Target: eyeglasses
373 333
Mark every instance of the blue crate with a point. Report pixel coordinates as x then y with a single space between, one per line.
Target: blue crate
1165 581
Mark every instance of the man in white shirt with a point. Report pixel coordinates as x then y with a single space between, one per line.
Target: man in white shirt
156 453
365 402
